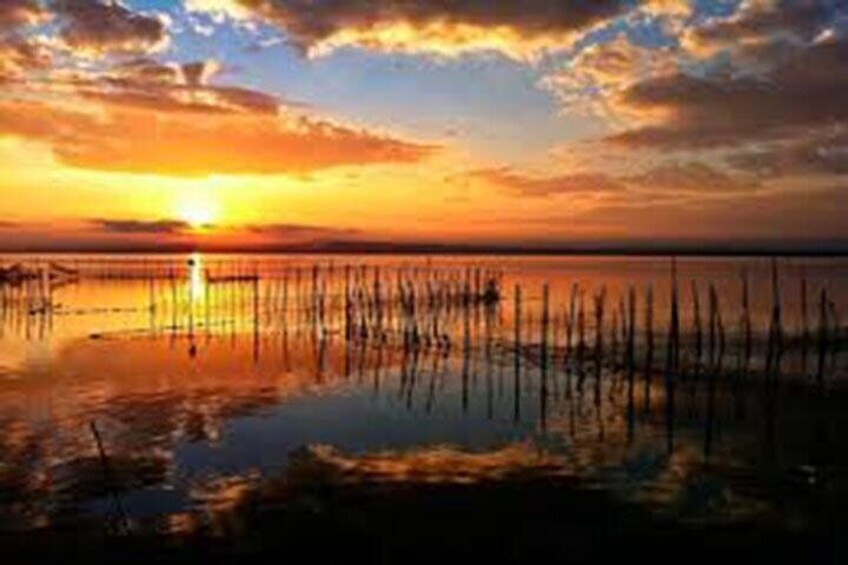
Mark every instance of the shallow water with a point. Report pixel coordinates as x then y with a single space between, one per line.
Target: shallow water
200 394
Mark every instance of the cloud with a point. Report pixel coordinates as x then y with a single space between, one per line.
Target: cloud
128 227
146 83
299 231
292 233
143 71
514 28
588 80
140 140
664 182
20 55
759 22
797 213
97 27
691 177
584 184
198 73
142 115
824 153
16 13
755 216
685 111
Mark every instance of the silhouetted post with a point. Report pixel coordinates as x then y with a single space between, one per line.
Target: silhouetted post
672 358
713 325
517 356
572 318
466 353
190 300
614 339
696 305
649 345
630 355
776 328
823 337
255 316
173 283
151 291
600 307
543 354
347 303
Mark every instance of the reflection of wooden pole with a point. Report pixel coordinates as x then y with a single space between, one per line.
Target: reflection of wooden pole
107 475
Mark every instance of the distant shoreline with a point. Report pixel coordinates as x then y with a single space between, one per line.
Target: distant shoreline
438 250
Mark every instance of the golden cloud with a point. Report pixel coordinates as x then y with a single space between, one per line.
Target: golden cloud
126 138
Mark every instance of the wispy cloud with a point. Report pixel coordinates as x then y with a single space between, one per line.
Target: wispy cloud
140 227
587 184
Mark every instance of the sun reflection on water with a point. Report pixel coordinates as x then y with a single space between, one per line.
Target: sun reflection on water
196 279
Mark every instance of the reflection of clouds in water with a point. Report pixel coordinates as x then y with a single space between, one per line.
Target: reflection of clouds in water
238 415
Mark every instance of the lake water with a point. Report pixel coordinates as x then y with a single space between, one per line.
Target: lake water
174 395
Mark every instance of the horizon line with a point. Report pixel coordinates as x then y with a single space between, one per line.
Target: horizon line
740 249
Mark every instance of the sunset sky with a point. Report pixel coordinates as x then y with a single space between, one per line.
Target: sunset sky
254 123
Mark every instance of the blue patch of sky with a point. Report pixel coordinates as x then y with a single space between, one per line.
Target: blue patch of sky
490 103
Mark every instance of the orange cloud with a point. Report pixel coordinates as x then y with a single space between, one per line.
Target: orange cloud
141 140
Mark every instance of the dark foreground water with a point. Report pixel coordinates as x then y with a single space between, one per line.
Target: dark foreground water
389 408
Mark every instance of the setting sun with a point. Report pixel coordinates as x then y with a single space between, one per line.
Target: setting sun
199 213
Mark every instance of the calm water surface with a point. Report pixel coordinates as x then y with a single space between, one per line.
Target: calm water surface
159 393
